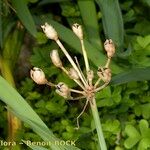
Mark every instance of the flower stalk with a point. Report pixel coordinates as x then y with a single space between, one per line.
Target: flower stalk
88 88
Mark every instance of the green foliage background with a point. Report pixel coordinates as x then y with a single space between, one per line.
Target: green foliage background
124 106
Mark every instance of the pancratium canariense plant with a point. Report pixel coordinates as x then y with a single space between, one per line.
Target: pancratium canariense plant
85 81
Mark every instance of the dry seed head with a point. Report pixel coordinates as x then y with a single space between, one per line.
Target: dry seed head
104 74
90 74
49 31
109 48
73 74
55 58
77 29
38 76
63 90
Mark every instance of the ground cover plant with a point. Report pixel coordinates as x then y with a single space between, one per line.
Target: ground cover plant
123 106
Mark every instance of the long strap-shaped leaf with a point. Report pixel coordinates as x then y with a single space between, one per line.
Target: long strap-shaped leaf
25 113
89 17
112 21
136 74
25 15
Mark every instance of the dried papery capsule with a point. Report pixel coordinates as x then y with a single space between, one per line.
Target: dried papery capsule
73 74
55 58
90 75
104 74
49 31
38 76
63 90
109 48
77 29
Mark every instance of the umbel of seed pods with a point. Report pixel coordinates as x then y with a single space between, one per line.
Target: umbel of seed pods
84 81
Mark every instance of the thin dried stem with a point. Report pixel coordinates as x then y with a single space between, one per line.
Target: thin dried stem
50 84
78 126
65 70
107 63
77 81
77 91
85 56
78 98
101 87
70 60
97 82
77 62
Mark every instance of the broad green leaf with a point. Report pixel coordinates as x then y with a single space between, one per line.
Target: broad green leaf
112 21
97 57
143 41
25 113
137 74
24 15
144 128
90 20
144 144
133 138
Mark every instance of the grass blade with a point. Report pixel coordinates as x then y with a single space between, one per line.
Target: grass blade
137 74
112 21
89 16
24 112
25 15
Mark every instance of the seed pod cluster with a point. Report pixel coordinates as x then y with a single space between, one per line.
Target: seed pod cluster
38 75
63 90
109 48
77 29
55 58
104 74
49 31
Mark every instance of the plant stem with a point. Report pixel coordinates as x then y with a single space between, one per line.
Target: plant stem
70 60
98 126
85 56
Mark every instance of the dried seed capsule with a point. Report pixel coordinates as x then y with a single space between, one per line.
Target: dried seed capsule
109 48
104 74
77 29
55 58
49 31
90 75
38 76
73 74
63 90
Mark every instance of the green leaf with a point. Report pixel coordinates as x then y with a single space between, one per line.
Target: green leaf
144 128
24 112
133 138
143 41
112 21
89 17
136 74
25 15
144 144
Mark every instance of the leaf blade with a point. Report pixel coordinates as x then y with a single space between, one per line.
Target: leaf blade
136 74
25 113
89 16
112 21
25 16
